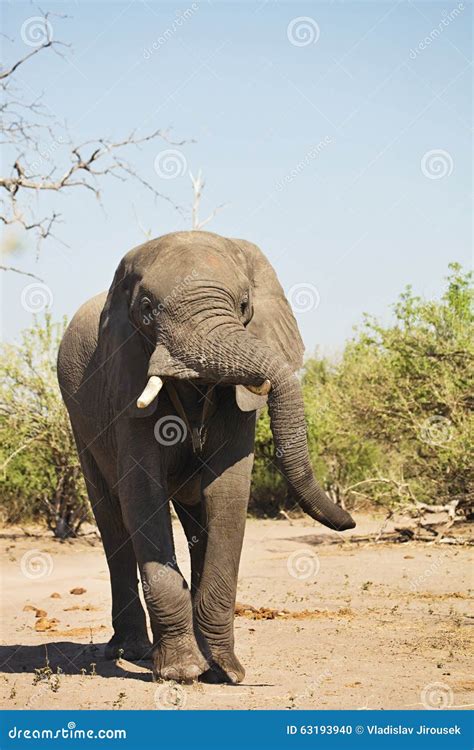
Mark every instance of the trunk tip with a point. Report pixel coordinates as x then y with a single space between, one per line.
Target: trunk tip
260 390
344 521
349 523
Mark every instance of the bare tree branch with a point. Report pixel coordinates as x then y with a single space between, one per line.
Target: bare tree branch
48 42
45 159
198 187
145 232
17 270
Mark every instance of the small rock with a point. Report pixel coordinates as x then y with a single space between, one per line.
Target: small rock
29 608
78 590
55 595
40 613
44 624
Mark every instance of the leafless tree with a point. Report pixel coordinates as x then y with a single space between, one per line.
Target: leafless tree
42 154
198 187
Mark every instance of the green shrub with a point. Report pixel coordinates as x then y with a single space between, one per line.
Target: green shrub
391 423
40 473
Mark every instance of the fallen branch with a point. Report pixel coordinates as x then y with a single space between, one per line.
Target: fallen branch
449 508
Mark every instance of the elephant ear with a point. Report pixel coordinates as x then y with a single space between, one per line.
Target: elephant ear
123 350
273 321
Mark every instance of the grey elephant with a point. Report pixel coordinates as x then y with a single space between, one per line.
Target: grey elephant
163 377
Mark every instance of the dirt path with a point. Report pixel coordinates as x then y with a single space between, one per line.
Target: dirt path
343 626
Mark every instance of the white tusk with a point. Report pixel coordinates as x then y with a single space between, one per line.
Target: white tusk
152 389
260 390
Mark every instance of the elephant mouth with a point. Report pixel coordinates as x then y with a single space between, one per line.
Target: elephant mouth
155 384
164 365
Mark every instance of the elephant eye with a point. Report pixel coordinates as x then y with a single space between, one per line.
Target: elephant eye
244 304
146 308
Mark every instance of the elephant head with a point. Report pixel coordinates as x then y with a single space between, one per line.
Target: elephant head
193 305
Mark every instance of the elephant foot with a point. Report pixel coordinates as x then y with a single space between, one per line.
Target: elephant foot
225 668
131 646
178 659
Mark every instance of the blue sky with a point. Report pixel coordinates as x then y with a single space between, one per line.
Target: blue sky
356 219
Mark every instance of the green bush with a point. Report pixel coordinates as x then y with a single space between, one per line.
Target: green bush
391 423
40 473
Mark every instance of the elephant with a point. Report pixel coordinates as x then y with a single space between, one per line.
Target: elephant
163 377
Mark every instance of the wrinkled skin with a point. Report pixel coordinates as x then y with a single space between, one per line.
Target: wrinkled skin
208 316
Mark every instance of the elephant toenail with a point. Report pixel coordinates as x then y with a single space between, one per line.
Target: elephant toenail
169 673
193 672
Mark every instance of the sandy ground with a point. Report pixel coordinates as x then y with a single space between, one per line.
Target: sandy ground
354 625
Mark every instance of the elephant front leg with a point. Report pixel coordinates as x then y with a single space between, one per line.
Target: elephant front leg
176 655
225 499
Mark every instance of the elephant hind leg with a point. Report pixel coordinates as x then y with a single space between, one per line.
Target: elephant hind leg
130 638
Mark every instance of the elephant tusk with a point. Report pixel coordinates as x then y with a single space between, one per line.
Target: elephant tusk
151 391
260 390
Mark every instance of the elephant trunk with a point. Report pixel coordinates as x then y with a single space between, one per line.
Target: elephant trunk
230 354
285 404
